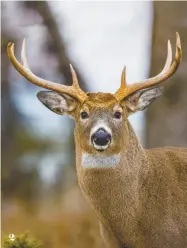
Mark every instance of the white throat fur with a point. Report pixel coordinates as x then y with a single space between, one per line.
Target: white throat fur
99 161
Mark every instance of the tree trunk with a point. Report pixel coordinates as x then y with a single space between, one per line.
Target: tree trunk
166 118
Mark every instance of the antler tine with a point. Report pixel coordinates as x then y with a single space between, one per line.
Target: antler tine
74 76
168 70
169 58
123 78
24 70
123 85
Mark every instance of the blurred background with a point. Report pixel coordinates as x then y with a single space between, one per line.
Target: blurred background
39 184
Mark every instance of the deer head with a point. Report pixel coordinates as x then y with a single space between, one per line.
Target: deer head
101 118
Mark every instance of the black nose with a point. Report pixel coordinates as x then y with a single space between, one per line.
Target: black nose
101 137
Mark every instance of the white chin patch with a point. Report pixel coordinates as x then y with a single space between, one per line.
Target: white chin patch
100 148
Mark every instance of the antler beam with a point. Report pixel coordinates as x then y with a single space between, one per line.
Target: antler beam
168 70
74 90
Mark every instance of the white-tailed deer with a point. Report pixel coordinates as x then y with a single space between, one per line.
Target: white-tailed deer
139 195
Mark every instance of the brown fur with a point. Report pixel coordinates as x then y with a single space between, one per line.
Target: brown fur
142 201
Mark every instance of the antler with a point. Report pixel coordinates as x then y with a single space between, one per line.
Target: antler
74 90
123 82
168 70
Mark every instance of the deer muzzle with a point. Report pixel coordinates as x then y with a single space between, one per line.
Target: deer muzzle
101 139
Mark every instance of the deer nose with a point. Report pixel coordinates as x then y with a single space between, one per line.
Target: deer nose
101 137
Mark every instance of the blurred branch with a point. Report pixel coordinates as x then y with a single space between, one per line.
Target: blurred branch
58 43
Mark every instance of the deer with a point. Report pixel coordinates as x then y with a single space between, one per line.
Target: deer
139 195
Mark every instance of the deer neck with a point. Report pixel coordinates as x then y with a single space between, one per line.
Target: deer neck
111 183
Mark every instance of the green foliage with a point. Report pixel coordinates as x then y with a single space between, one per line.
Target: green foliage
21 241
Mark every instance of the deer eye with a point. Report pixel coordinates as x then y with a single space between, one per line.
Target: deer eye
117 115
84 115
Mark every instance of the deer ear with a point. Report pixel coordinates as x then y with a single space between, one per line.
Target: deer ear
58 103
142 99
